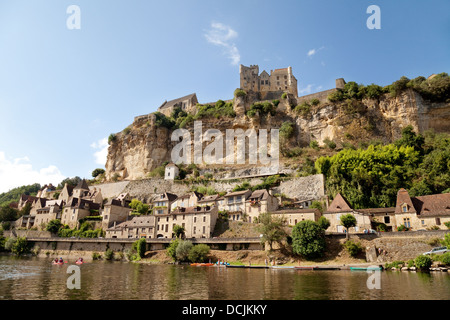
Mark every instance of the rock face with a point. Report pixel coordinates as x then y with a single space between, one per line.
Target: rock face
144 145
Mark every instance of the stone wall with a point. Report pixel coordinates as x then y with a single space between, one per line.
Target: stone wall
111 190
303 188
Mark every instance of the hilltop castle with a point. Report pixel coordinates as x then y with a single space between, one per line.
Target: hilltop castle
279 80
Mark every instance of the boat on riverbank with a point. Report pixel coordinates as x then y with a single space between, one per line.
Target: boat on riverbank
202 264
365 268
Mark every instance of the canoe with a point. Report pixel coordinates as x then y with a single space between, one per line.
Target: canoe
79 262
202 264
304 268
327 268
282 267
57 263
365 268
236 266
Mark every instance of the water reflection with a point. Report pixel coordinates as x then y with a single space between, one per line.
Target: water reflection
36 278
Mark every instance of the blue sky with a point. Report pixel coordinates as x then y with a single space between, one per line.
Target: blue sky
62 91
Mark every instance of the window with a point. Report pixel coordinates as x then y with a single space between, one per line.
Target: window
438 221
204 218
405 208
387 219
195 230
423 222
195 219
406 222
204 229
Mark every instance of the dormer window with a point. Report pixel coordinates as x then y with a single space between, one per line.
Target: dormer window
405 208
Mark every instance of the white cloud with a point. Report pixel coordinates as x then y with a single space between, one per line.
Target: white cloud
18 172
222 36
314 51
310 88
102 151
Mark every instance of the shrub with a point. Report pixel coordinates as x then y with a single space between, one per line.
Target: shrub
447 224
445 258
423 262
284 95
303 109
287 130
96 256
329 143
198 253
395 264
314 145
112 138
109 254
239 93
402 228
353 248
315 101
140 247
171 250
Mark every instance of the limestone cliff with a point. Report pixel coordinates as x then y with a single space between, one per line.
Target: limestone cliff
146 144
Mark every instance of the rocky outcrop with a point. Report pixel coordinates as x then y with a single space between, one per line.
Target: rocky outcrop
145 145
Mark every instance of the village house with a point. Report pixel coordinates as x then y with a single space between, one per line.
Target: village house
47 192
171 171
212 200
260 201
115 211
162 203
52 210
77 209
294 216
187 200
422 213
234 203
82 191
381 216
339 207
198 222
66 193
186 103
135 228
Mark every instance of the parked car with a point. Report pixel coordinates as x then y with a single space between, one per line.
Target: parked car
437 250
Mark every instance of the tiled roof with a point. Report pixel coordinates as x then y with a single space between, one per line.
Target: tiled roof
339 204
171 103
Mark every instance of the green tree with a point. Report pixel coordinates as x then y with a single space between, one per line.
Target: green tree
53 226
323 222
97 172
20 246
141 247
178 231
353 248
271 229
348 221
182 250
308 239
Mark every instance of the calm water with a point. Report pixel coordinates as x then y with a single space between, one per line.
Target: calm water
36 279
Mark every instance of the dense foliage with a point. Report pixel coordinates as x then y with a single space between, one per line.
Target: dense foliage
308 239
271 228
436 89
14 194
372 177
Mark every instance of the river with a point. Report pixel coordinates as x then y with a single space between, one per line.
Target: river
32 278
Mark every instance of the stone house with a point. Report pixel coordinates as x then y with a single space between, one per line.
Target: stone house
198 222
24 200
77 209
421 213
66 193
115 211
234 203
136 228
162 203
294 216
260 201
339 207
210 200
51 211
171 171
186 103
187 200
384 216
82 191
